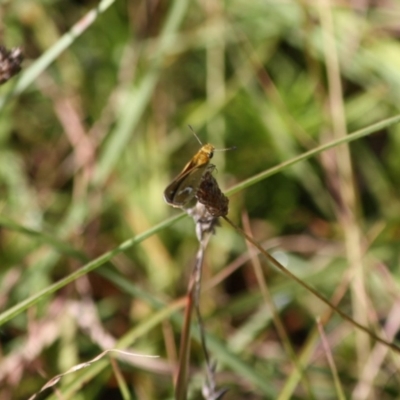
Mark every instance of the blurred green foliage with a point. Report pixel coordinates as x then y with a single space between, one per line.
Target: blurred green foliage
95 127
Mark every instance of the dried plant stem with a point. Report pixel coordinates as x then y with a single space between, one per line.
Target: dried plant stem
181 381
205 224
210 389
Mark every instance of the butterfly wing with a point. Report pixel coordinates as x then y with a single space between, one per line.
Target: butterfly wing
183 188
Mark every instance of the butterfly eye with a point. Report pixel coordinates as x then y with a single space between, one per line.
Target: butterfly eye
210 154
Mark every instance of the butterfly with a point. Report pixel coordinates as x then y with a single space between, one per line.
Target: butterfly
182 190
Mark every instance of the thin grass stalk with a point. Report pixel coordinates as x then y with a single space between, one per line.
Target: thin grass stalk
122 384
283 269
375 363
331 362
311 342
308 154
348 210
269 302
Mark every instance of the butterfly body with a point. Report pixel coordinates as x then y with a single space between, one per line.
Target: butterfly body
182 190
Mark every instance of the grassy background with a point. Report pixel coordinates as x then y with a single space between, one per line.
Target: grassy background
95 127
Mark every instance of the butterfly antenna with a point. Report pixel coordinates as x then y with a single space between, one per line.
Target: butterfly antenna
226 149
194 133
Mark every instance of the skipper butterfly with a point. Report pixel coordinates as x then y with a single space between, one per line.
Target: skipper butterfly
183 189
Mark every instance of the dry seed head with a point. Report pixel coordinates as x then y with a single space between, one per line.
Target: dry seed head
210 195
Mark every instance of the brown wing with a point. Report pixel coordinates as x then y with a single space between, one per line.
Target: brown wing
183 188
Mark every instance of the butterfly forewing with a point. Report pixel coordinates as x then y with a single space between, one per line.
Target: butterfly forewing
183 190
